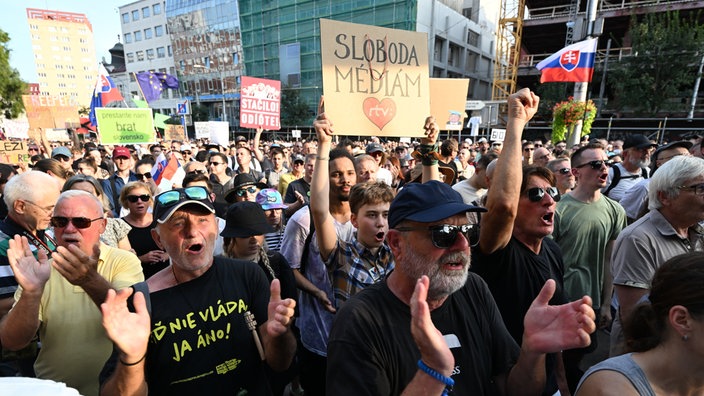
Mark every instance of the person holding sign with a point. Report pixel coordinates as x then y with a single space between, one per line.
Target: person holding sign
431 326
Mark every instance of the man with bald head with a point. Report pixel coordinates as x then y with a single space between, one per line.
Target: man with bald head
60 298
541 156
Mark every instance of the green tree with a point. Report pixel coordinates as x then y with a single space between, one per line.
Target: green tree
294 110
660 74
11 85
200 113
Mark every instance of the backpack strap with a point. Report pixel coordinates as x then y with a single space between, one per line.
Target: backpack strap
306 245
614 180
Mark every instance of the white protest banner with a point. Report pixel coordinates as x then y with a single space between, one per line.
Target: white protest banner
202 129
375 80
220 133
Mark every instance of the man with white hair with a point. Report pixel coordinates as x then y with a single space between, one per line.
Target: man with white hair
676 202
59 298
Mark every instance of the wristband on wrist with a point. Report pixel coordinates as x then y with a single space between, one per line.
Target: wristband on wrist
449 382
122 362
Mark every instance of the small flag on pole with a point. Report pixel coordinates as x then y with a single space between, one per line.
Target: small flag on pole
105 92
152 83
574 63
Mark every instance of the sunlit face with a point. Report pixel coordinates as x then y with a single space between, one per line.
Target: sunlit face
244 157
366 171
123 163
564 177
188 237
37 210
687 204
541 156
372 223
589 178
96 156
85 238
310 167
140 207
639 157
278 161
342 177
85 169
534 220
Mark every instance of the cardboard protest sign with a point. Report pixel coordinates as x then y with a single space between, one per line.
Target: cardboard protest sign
174 132
56 135
13 152
448 97
18 129
220 133
51 111
375 80
260 103
125 126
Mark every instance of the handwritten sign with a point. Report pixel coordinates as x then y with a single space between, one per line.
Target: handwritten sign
202 129
51 111
260 103
125 126
174 132
375 80
448 97
13 152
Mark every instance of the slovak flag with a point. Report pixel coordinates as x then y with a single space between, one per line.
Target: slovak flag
574 63
105 91
166 173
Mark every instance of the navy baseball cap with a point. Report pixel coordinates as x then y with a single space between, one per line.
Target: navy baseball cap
427 202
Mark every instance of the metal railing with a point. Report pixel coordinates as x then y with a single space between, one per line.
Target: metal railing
563 10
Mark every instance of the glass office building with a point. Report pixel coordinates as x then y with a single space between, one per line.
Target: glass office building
205 36
281 38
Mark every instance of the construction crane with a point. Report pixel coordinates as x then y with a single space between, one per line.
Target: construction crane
508 51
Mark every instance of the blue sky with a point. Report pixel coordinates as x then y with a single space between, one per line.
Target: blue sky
102 14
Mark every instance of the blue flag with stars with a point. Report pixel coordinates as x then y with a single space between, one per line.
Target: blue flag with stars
152 83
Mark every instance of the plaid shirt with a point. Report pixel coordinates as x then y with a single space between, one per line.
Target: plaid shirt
352 267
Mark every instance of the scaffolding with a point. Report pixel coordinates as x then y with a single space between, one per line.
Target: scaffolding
508 50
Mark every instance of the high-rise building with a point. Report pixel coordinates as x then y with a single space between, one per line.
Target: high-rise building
147 47
205 35
64 54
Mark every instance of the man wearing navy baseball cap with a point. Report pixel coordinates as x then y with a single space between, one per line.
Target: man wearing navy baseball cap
432 326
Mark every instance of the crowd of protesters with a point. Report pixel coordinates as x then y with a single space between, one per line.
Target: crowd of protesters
340 266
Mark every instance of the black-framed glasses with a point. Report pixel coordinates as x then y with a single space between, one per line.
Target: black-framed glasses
596 164
142 176
528 149
536 194
564 171
196 172
172 197
78 222
443 236
242 191
135 198
698 189
216 163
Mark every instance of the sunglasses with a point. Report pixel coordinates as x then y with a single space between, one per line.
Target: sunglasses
536 194
135 198
196 172
564 171
216 163
172 197
445 235
78 222
528 149
597 164
241 192
142 176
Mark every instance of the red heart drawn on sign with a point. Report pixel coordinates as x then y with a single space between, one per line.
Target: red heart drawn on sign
380 113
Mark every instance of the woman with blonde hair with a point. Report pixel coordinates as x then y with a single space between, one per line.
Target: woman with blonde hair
137 197
53 168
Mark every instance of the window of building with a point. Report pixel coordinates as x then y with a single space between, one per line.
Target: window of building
148 33
135 15
145 12
150 53
467 13
181 64
128 38
472 38
138 35
157 8
125 17
169 51
140 56
159 30
161 52
130 57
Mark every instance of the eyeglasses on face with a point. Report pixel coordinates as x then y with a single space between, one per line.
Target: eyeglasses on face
536 194
597 164
46 210
61 158
564 171
243 191
538 145
196 172
78 222
698 189
216 163
528 149
143 198
170 198
142 176
443 236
